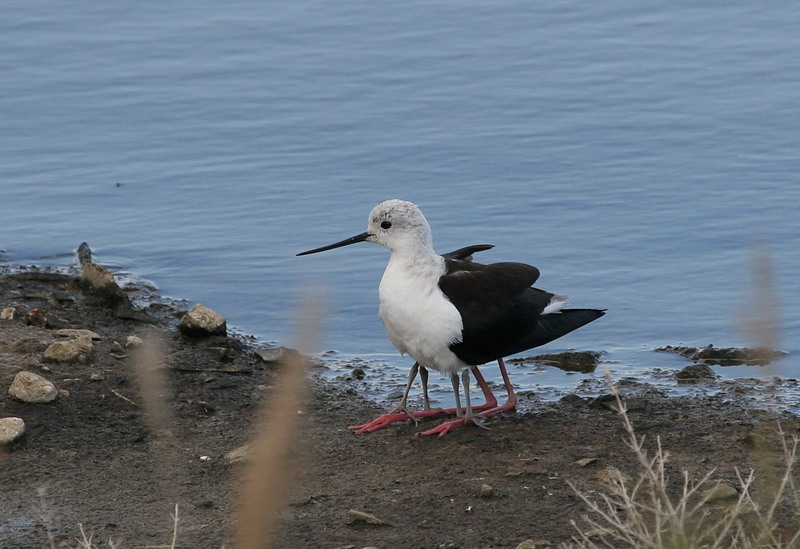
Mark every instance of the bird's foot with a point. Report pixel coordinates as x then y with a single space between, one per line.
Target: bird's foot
396 415
443 428
509 407
402 414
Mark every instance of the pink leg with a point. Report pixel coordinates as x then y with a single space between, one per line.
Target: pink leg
511 403
385 420
488 411
491 401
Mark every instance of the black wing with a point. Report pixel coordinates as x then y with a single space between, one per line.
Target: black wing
501 312
465 253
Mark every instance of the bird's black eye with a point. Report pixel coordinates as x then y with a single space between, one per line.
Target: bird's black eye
386 225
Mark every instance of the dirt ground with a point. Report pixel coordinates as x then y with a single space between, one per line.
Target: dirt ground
88 457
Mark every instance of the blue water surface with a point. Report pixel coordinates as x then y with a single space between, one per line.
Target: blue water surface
640 155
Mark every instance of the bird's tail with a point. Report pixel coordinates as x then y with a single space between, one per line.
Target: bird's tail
553 326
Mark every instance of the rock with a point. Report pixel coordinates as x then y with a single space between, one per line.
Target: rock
84 253
725 356
695 373
11 428
569 361
240 454
219 353
720 492
98 281
30 387
586 461
358 373
610 476
574 400
200 321
534 544
37 317
72 350
486 491
29 345
116 347
132 342
69 332
9 313
279 354
365 518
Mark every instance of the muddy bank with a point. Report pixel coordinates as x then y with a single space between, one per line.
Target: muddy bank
90 455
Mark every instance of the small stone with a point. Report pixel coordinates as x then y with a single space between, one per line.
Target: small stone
132 342
240 454
98 280
360 516
9 313
486 491
28 345
694 373
11 428
611 476
534 544
720 492
279 354
84 253
37 317
200 321
358 373
116 347
586 461
72 333
218 353
72 350
30 387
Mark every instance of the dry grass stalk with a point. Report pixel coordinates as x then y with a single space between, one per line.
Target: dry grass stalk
642 514
267 477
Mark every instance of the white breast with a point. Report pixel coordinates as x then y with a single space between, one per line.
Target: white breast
419 320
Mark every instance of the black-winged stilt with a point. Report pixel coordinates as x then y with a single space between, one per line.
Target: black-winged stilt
452 314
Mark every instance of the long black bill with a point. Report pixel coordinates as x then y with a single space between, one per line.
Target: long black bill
352 240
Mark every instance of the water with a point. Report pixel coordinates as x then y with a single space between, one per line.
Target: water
635 153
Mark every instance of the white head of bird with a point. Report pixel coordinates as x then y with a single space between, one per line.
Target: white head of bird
395 224
399 226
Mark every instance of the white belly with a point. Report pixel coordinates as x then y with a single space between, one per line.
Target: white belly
419 320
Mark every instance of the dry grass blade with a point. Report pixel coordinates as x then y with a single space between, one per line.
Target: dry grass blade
643 513
267 475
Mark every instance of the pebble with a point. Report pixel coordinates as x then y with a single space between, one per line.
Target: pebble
37 317
200 321
534 544
586 461
720 492
132 342
99 279
486 491
30 387
72 350
694 373
11 428
239 455
72 333
610 476
366 518
9 313
279 354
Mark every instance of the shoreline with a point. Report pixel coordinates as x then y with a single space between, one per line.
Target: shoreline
93 452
